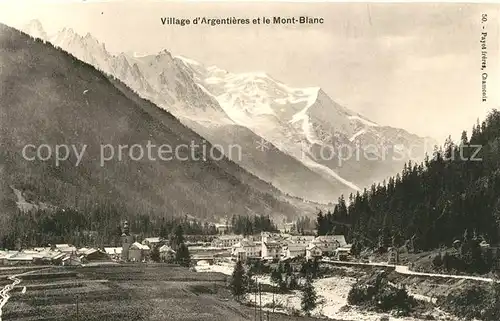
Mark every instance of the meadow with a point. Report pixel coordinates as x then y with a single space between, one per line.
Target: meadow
126 292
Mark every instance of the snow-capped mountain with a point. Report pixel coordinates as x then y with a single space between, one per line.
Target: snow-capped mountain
310 146
35 29
307 124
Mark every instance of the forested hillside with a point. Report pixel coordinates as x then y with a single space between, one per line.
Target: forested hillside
454 194
49 98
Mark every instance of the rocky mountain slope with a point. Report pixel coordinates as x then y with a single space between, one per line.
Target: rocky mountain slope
49 98
298 139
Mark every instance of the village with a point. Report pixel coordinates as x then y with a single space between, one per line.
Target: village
266 246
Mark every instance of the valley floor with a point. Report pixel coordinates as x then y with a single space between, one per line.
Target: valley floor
332 297
152 292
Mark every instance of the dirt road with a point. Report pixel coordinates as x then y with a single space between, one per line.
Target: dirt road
4 293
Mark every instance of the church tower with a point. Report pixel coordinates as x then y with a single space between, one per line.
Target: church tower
127 241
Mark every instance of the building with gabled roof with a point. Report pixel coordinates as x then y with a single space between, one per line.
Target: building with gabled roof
20 259
65 248
246 249
138 252
152 241
291 250
167 254
227 241
328 243
113 252
5 255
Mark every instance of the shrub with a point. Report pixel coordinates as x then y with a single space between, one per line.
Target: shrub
375 292
474 302
437 261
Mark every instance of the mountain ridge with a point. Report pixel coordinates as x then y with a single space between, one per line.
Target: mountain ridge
51 98
300 122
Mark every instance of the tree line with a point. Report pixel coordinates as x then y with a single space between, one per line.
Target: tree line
433 203
284 276
247 225
100 227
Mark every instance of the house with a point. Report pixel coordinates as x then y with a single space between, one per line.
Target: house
152 241
342 253
239 254
268 236
222 228
5 255
302 239
20 259
227 241
138 252
71 260
286 227
48 256
246 249
313 251
92 255
328 243
113 252
271 249
291 250
64 248
167 254
271 245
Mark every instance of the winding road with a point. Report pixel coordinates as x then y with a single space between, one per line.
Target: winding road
4 293
405 270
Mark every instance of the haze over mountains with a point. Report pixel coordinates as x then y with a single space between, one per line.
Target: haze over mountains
298 139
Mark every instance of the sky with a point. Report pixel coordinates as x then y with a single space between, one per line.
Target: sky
413 66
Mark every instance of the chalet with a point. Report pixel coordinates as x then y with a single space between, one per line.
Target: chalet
47 256
20 259
138 252
167 254
71 260
113 252
342 253
328 243
291 250
93 255
152 241
5 255
64 248
313 251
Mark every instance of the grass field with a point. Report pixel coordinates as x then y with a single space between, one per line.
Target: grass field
126 292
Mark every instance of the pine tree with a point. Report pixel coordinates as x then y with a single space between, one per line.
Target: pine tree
155 254
182 256
276 276
309 297
177 237
238 280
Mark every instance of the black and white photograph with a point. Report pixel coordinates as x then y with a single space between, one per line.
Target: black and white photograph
249 160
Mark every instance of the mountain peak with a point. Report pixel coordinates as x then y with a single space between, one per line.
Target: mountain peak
68 30
188 61
164 52
216 182
35 23
35 29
